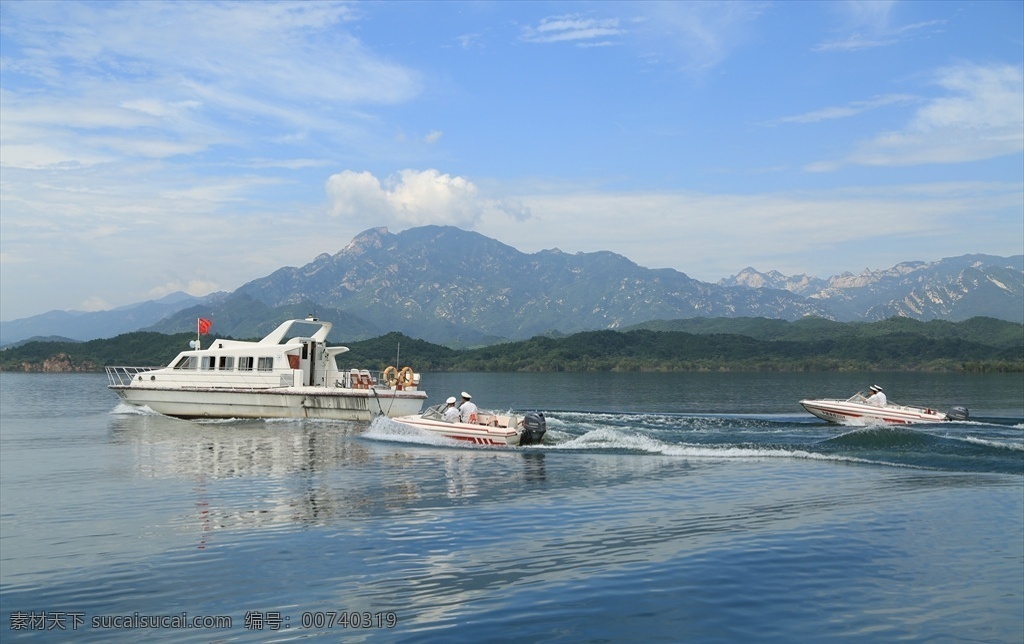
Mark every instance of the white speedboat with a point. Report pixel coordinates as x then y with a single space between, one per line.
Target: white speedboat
856 410
291 373
489 428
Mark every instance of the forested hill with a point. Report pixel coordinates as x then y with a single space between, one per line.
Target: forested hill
720 344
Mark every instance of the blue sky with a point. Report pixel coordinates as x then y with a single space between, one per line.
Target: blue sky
149 147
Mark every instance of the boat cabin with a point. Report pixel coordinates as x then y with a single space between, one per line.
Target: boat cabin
278 360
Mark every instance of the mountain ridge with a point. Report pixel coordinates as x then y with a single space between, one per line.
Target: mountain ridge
461 288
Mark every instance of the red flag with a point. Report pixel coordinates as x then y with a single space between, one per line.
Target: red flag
204 325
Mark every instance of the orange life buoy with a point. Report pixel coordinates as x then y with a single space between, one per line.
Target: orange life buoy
405 377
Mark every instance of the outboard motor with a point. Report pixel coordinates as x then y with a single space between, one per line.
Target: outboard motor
957 413
534 427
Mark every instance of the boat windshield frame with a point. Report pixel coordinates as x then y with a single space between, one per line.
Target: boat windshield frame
434 412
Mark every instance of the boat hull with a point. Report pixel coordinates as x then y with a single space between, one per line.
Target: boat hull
286 402
476 434
491 429
847 412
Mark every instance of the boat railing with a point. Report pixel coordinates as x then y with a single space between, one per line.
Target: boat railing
120 376
123 376
366 379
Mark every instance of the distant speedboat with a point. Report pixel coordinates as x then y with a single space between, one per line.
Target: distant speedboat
291 373
489 428
856 410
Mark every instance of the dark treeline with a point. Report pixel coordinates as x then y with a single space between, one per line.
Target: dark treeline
979 344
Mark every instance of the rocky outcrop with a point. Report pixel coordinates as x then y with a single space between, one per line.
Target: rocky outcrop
60 363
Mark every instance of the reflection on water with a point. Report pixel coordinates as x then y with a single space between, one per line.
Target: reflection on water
168 447
310 472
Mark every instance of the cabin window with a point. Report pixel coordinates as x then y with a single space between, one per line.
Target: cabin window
209 363
227 363
266 364
187 362
245 363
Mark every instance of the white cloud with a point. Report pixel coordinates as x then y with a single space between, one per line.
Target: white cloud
982 97
854 43
289 164
979 116
696 36
41 156
429 196
868 24
853 108
417 198
97 83
94 304
266 48
357 194
196 287
692 36
469 41
513 208
408 198
868 14
572 28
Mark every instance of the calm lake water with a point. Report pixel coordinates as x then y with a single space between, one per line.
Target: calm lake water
662 507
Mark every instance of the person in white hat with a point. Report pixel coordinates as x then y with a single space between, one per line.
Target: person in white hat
451 412
877 397
467 409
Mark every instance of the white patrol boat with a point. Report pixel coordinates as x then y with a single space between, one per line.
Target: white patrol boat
291 373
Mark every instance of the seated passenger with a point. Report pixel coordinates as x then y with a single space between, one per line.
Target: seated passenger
451 412
877 398
467 409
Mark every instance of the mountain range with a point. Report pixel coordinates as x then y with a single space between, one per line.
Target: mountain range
460 288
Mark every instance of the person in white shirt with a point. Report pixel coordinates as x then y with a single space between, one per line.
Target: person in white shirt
877 397
451 412
467 409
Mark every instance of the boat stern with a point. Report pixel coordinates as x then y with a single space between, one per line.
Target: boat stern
958 413
534 427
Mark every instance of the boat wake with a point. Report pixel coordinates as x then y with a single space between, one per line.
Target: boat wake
620 441
958 446
882 437
1018 445
124 409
